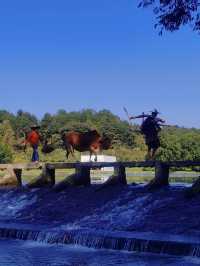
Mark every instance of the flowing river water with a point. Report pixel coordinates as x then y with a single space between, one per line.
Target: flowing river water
28 253
148 222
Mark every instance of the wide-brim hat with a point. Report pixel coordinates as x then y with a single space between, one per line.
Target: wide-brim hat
35 126
155 111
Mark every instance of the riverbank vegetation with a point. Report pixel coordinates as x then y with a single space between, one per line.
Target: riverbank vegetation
177 143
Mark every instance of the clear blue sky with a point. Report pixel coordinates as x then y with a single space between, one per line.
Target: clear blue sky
96 54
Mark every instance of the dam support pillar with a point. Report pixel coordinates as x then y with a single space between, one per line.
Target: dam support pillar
194 189
161 176
120 175
47 178
50 176
18 174
81 177
118 178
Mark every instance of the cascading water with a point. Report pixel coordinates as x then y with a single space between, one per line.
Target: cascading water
103 220
134 242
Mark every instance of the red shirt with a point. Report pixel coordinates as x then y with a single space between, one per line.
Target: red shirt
33 138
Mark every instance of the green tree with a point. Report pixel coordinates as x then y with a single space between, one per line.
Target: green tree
24 120
179 144
7 135
5 115
172 14
5 154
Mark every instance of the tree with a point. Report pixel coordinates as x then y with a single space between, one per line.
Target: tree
24 120
179 144
7 134
5 153
5 115
173 14
7 140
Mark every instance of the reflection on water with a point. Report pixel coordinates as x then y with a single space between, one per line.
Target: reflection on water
28 253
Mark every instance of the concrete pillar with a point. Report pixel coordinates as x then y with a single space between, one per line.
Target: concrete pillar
118 178
47 178
18 174
120 174
81 177
50 176
193 190
161 176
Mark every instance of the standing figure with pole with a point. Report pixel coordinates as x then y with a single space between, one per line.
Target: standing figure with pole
150 127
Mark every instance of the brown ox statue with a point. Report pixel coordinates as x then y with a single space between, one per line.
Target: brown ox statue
89 141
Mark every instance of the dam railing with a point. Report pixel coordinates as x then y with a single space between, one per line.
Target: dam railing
82 173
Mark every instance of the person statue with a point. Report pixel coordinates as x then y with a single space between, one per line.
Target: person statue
150 128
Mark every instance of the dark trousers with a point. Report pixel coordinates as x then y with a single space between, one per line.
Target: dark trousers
35 155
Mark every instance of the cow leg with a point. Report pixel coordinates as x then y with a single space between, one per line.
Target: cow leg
90 156
95 158
67 154
72 151
68 150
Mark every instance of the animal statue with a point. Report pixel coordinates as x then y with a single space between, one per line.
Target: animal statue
90 141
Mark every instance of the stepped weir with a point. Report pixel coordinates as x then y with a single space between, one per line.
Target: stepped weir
86 236
132 242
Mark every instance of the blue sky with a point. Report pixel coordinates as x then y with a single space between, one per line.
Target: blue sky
96 54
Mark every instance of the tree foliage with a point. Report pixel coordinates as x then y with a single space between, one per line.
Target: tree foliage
180 144
176 143
7 141
172 14
5 153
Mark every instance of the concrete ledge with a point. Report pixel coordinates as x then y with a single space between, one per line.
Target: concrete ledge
135 242
23 166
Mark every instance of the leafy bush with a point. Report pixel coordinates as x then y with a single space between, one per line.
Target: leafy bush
5 154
